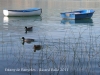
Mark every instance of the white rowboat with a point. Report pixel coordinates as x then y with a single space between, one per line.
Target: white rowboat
26 12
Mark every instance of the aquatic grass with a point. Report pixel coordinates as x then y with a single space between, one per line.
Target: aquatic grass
72 54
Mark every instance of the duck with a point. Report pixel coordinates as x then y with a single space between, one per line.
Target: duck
37 47
27 40
28 28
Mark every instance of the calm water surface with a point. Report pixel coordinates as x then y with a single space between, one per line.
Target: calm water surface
69 47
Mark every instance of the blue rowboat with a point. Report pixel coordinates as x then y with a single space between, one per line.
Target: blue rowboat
25 12
81 14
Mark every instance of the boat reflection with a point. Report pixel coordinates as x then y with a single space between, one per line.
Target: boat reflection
7 20
63 21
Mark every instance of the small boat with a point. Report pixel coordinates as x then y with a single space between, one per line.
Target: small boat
26 12
80 14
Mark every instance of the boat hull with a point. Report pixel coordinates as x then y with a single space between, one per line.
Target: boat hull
28 12
78 14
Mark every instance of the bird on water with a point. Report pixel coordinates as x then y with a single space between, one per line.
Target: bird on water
28 29
37 47
28 40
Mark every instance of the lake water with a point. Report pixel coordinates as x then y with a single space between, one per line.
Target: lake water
69 47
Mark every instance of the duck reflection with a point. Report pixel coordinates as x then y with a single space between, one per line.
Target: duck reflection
63 21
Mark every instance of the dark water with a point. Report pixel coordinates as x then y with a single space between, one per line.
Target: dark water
69 47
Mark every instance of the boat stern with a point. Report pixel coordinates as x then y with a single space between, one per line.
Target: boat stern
68 15
5 12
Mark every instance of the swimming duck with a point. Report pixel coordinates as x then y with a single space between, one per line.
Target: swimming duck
37 47
27 40
28 28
